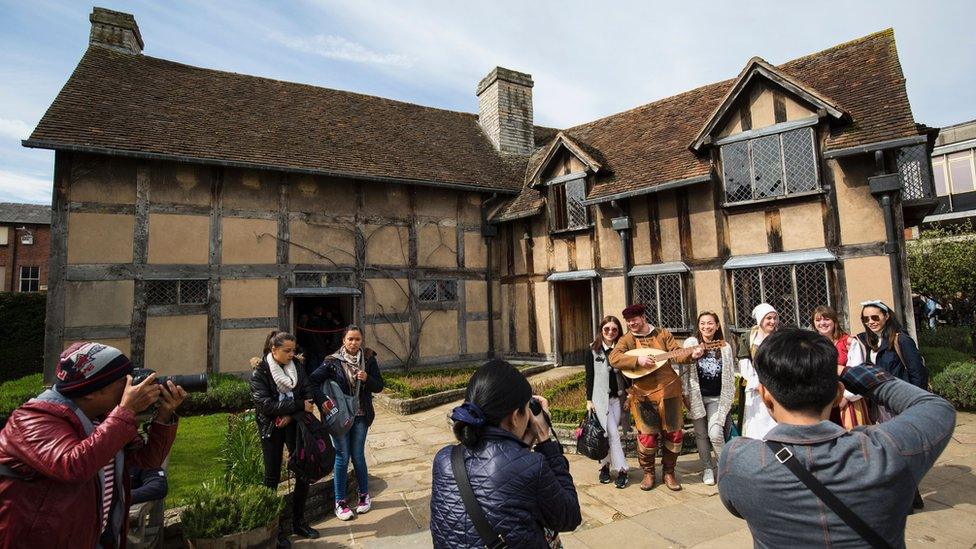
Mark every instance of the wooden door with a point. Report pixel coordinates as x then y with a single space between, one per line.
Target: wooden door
575 312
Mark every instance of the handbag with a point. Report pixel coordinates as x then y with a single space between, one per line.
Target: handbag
338 420
785 456
314 456
592 441
733 432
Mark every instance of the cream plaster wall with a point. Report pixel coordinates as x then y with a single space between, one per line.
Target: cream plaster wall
438 335
122 344
522 318
248 241
584 252
174 183
99 238
251 190
179 239
249 298
802 226
868 278
177 344
105 179
237 347
704 236
613 296
747 233
708 292
387 245
437 244
309 193
670 236
396 336
322 244
543 317
385 295
103 303
861 219
475 251
476 296
477 334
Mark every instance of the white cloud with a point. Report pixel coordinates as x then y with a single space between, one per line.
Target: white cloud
14 129
18 187
336 47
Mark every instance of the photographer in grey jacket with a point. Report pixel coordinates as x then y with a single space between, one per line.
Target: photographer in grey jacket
873 470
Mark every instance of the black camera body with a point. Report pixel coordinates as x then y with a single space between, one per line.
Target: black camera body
535 406
196 383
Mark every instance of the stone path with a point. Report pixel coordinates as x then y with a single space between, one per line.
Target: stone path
400 451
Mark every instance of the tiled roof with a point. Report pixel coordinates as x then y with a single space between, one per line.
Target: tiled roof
144 105
648 145
31 214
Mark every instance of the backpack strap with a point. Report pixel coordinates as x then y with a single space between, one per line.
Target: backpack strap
785 456
475 513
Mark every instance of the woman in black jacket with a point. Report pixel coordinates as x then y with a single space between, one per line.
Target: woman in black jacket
526 496
281 397
350 367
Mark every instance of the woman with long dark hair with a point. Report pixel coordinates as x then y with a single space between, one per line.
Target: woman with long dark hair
518 474
709 382
604 389
852 409
890 348
352 366
281 397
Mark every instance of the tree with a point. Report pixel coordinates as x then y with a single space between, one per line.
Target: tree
942 264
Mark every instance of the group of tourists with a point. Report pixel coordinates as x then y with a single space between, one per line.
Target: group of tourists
853 409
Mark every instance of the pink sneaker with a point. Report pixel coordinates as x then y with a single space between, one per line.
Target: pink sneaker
365 504
342 510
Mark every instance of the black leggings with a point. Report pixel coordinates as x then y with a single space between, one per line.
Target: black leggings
272 448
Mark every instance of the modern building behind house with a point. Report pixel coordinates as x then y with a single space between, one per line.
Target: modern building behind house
25 236
954 172
196 209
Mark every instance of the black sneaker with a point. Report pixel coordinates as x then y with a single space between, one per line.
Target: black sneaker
622 479
305 531
605 474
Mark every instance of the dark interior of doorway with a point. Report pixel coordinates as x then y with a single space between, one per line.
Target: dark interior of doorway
575 320
318 323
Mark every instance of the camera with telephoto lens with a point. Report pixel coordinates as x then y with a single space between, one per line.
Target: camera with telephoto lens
196 383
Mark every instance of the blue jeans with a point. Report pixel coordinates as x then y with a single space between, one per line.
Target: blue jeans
352 444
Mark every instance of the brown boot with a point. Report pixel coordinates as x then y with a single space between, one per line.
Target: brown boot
649 481
668 461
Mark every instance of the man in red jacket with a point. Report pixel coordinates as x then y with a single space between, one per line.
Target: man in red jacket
63 455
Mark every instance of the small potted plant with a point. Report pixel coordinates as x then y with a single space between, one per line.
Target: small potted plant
221 516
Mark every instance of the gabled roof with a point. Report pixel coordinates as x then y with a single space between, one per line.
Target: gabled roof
759 68
144 106
587 155
28 214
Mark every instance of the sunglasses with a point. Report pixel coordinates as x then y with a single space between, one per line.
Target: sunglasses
871 318
610 329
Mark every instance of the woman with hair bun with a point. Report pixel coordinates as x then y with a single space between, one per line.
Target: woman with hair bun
518 474
280 392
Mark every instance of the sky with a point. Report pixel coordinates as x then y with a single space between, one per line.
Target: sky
587 59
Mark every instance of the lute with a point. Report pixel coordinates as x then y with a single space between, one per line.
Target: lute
662 357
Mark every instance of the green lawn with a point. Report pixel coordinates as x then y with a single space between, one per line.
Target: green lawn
193 458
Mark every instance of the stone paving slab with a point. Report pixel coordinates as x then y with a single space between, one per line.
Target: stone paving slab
400 451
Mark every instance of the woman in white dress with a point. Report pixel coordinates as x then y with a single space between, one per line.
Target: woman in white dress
756 419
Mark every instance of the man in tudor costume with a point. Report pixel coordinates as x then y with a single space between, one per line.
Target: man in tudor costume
655 399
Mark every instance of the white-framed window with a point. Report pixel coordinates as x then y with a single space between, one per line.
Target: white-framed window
794 290
177 292
566 209
663 296
437 291
30 279
770 166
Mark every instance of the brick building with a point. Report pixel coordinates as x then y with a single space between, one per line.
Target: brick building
199 208
25 243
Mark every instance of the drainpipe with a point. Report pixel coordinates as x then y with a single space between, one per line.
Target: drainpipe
885 188
489 231
621 224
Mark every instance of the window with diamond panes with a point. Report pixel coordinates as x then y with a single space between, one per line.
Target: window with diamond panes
770 166
177 292
913 170
567 211
663 296
794 290
433 291
323 279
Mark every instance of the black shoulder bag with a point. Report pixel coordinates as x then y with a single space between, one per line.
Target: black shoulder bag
785 456
488 535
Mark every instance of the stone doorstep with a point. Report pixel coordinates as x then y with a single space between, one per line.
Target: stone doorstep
408 406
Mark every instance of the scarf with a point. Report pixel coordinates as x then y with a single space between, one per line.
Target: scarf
350 363
285 377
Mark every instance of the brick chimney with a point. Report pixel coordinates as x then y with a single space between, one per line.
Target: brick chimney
115 30
505 110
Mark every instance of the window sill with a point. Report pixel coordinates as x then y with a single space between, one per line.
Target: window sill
747 203
572 232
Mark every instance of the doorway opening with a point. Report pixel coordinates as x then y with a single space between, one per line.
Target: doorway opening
319 322
574 309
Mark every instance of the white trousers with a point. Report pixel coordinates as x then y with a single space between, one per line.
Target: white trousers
616 458
757 421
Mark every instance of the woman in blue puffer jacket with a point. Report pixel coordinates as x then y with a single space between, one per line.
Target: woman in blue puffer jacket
518 474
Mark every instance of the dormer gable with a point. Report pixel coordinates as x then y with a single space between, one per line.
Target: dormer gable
762 96
564 153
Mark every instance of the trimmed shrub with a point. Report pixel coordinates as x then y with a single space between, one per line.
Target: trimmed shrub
16 392
567 398
956 338
216 510
22 325
225 393
938 358
421 383
957 384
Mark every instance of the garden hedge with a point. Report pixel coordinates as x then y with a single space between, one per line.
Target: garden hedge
22 326
957 384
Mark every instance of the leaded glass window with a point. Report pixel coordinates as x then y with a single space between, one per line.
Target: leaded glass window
663 296
770 166
794 290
